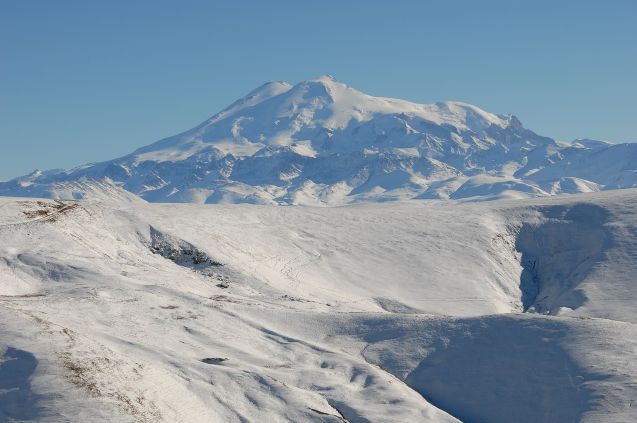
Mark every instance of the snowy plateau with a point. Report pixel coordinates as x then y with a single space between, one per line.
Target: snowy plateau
368 280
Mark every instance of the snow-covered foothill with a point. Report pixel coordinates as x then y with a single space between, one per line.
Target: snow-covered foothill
114 309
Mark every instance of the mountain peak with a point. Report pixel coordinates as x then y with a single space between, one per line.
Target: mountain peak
328 83
327 78
326 87
259 94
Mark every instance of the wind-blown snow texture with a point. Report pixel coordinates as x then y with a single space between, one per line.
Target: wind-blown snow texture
321 142
113 309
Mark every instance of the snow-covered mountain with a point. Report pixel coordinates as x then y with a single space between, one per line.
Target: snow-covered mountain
323 142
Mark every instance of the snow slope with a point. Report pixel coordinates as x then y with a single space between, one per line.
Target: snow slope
321 142
113 309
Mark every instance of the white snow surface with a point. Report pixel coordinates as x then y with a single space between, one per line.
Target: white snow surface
322 142
114 309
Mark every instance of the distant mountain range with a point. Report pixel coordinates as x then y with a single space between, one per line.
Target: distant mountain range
321 142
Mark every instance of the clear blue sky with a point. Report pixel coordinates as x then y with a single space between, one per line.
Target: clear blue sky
86 81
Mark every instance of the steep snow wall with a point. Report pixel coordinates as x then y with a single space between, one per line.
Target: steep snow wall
558 253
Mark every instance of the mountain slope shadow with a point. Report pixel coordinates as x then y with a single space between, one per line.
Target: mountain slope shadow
17 400
503 370
557 255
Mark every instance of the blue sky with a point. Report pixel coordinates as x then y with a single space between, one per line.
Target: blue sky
85 81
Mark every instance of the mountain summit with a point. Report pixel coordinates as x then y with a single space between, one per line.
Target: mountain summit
322 142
